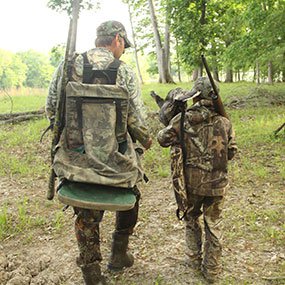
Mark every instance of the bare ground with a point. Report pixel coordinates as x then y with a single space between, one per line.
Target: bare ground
254 239
47 256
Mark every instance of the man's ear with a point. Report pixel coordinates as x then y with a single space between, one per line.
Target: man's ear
117 39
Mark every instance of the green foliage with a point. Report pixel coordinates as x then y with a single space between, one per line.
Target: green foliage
66 5
153 68
56 54
39 69
12 70
233 34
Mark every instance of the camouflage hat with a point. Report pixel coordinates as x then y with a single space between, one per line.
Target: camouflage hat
203 85
202 88
170 108
112 28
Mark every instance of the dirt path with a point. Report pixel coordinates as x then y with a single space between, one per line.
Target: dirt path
46 256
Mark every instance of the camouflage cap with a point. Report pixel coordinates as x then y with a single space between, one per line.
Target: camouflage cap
170 108
203 85
112 28
202 88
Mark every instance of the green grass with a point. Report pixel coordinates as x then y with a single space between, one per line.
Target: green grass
20 221
254 128
20 149
23 216
22 100
254 213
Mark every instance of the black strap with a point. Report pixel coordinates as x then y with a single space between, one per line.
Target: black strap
79 102
180 217
105 76
87 69
184 154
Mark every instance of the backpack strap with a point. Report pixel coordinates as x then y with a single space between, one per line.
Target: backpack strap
105 76
87 69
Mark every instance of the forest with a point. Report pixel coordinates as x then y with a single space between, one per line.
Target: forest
244 43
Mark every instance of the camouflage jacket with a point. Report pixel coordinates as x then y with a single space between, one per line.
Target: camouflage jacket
100 58
210 143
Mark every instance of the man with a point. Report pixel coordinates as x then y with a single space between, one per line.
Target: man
208 141
110 44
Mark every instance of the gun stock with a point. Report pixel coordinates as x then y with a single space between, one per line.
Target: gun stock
217 101
60 107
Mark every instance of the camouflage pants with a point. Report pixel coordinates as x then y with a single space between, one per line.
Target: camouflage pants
88 235
210 208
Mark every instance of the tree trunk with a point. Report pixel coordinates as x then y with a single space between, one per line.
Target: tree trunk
195 74
12 118
283 68
166 59
178 62
161 53
216 73
135 45
237 76
200 70
270 72
257 73
229 75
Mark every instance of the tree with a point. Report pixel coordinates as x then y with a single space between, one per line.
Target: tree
261 42
130 7
12 70
56 54
189 26
66 5
162 51
39 70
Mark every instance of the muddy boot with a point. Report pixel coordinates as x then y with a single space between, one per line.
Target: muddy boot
193 238
92 274
209 277
120 258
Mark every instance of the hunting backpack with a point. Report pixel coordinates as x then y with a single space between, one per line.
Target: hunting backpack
95 146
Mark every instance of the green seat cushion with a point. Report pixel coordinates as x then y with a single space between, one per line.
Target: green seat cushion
97 197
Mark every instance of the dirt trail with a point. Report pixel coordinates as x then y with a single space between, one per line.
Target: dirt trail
48 258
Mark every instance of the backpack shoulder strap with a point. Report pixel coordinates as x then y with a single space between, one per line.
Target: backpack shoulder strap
108 75
87 69
105 76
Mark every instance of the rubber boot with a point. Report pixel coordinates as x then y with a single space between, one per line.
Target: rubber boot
92 274
120 258
193 238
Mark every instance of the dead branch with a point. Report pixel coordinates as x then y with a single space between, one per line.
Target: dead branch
9 116
274 278
15 118
279 129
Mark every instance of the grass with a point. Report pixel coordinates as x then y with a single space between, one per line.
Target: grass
18 222
25 217
18 146
22 154
254 210
22 100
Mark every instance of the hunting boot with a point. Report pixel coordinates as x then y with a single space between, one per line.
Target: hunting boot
92 274
211 267
193 239
120 258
